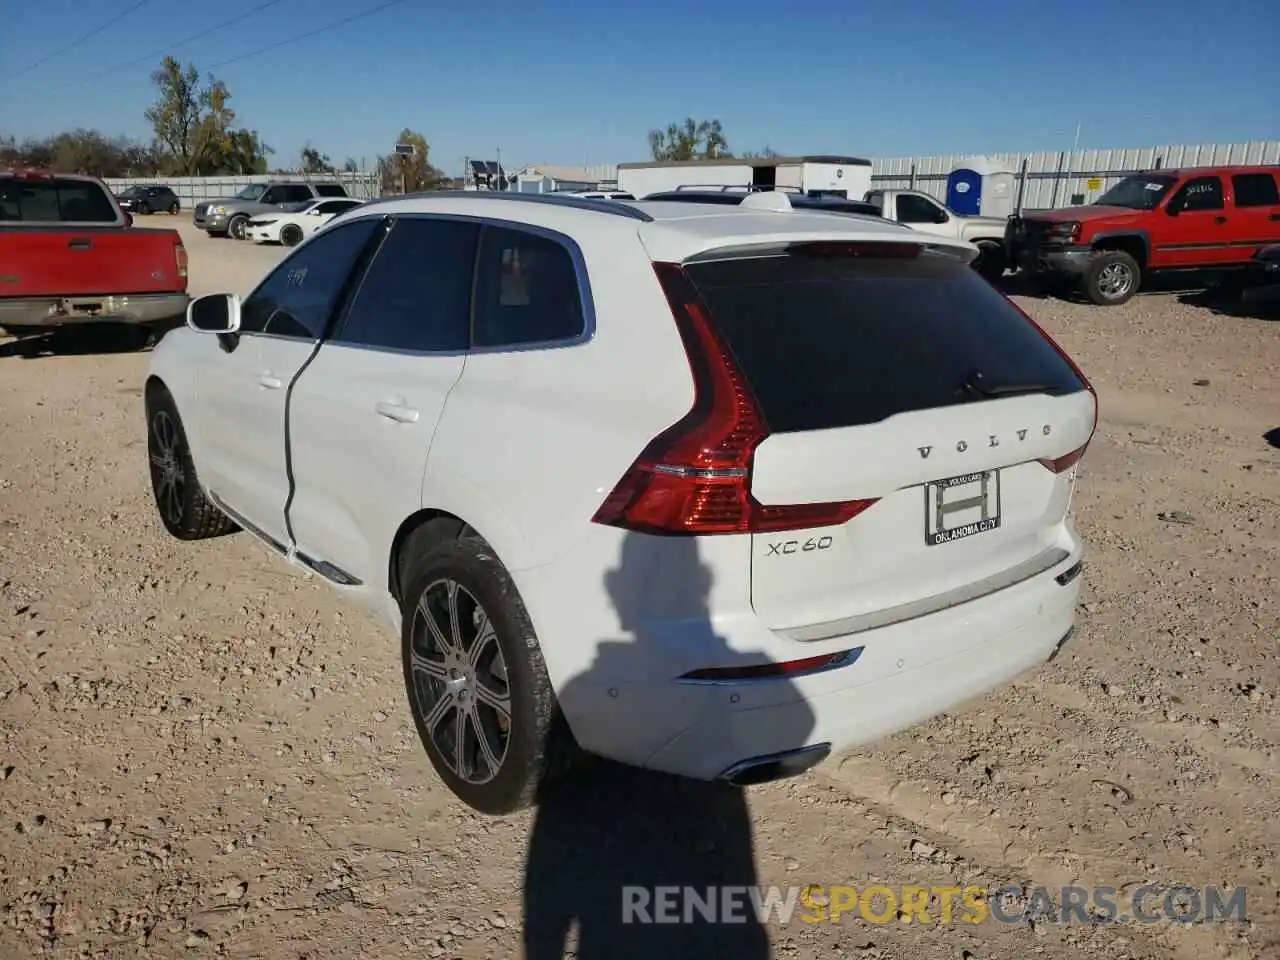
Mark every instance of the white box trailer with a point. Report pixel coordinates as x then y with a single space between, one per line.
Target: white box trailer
831 176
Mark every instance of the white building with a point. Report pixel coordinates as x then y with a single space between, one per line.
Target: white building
550 177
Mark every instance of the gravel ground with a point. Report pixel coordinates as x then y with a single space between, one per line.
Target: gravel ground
202 752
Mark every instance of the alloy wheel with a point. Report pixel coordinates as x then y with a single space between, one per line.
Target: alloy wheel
459 683
168 478
1115 280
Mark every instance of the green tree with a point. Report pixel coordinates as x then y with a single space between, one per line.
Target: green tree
313 161
414 172
690 140
196 126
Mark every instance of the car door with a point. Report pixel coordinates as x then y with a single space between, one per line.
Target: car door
364 413
1255 212
244 388
920 213
1194 229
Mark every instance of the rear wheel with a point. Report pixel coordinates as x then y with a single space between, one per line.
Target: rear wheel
478 690
184 510
291 234
1112 278
173 208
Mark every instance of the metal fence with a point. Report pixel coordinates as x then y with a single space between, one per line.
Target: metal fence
192 190
1065 178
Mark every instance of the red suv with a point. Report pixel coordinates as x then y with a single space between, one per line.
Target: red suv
1201 218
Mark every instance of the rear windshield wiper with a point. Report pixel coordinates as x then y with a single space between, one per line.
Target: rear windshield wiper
976 383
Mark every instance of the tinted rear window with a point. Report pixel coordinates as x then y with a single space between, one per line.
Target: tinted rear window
54 201
330 190
827 342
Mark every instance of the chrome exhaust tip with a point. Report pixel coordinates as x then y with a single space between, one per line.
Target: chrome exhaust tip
776 766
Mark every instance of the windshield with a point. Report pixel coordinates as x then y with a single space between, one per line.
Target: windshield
132 192
297 206
1137 193
252 192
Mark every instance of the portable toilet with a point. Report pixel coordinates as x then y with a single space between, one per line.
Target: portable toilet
981 187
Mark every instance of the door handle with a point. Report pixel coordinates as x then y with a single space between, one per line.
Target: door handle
269 382
80 245
396 410
1219 219
1274 216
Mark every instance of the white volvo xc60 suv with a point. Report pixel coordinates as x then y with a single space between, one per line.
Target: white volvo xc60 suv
716 491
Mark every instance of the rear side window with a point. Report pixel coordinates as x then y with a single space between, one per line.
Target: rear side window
416 295
54 201
526 290
1255 190
838 342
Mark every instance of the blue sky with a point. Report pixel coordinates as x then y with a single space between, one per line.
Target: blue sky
564 81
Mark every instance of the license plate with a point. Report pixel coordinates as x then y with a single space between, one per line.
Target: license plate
960 507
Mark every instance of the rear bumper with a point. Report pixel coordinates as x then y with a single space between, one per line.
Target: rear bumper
63 311
629 698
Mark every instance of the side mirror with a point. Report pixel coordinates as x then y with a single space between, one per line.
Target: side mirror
1173 209
214 313
942 216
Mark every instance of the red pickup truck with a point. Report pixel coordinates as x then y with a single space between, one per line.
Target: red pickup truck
71 259
1201 218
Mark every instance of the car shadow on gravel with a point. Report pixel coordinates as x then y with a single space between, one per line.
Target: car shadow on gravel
608 839
117 338
1262 303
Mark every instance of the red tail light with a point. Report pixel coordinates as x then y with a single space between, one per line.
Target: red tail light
1067 461
694 478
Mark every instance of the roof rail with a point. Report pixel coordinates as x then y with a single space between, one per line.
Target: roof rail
595 204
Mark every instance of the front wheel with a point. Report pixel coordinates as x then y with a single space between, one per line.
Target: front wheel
184 510
238 227
143 209
1112 278
478 690
291 235
991 260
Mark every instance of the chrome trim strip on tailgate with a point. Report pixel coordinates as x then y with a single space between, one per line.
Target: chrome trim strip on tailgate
918 608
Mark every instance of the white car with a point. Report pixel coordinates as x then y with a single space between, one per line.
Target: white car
291 225
712 492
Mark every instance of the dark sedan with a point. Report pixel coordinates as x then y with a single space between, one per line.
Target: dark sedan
149 199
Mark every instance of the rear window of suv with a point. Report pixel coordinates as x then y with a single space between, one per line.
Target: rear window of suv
841 341
330 190
54 201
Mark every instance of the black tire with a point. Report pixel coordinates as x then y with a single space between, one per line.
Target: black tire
1112 278
142 209
184 510
991 260
174 208
291 234
535 745
236 226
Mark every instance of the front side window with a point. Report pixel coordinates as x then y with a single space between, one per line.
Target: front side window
526 290
913 209
416 294
299 297
253 191
1202 193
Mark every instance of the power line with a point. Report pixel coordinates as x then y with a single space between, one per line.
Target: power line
162 52
306 36
79 40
